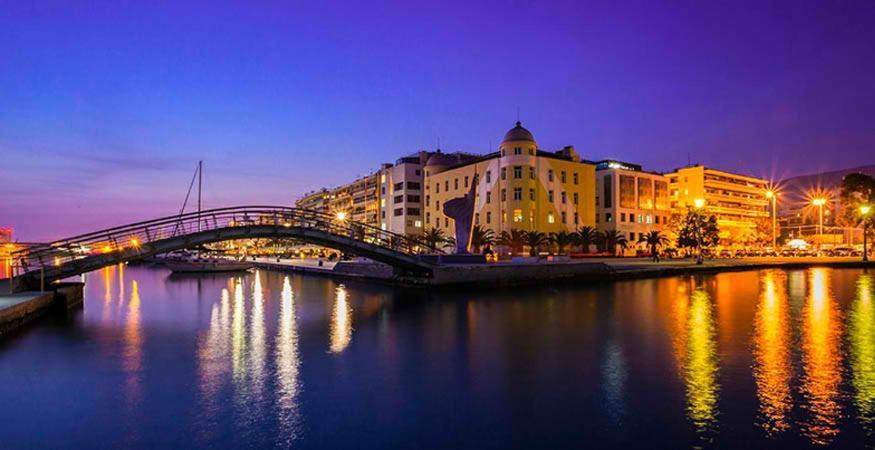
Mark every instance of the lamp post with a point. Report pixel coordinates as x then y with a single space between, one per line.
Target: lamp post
773 196
699 203
819 202
864 211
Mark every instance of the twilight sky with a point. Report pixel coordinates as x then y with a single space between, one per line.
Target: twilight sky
105 108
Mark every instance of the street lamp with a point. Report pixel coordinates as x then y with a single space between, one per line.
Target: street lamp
819 202
864 211
773 197
699 203
341 215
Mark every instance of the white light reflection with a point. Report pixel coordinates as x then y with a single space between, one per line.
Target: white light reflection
287 364
341 321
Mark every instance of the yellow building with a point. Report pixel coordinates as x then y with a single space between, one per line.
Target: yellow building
518 187
738 201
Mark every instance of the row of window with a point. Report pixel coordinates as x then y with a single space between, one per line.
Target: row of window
517 218
517 174
633 218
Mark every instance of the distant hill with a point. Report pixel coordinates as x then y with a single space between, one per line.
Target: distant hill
795 189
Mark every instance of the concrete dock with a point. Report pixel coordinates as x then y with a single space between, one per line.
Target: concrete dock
21 308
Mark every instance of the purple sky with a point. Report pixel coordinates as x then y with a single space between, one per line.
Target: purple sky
106 108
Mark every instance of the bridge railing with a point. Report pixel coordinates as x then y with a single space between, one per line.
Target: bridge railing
140 234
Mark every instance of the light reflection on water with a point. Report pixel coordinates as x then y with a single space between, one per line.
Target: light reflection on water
790 364
772 367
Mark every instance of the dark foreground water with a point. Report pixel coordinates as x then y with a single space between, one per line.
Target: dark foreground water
768 359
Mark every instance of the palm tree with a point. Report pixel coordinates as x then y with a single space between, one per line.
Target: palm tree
516 239
613 239
534 239
562 239
434 238
481 237
586 236
654 240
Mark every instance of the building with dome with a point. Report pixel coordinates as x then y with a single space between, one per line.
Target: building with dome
518 187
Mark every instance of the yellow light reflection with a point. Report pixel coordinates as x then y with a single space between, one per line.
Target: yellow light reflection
772 366
861 337
821 361
257 338
287 364
132 353
341 321
238 334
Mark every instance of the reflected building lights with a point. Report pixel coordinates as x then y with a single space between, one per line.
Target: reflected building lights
133 340
701 364
257 337
821 360
861 337
287 365
772 364
238 335
341 321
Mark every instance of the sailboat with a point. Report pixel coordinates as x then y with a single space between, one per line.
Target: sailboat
194 262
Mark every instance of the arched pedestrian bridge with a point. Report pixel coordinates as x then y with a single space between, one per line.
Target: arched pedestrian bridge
81 254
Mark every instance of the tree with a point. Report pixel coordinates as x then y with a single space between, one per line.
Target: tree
516 239
654 240
435 239
587 236
695 229
857 189
613 239
481 237
534 239
562 239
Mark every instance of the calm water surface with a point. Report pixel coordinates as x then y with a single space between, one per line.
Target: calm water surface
768 359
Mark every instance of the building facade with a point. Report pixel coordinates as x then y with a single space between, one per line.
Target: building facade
315 201
630 200
518 187
738 201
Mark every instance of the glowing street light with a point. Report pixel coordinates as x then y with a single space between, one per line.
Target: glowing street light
341 215
773 197
864 211
819 202
699 203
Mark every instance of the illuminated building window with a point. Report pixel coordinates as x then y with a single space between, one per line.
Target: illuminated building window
517 194
383 226
550 218
383 178
608 218
417 224
531 216
640 218
382 203
649 218
517 215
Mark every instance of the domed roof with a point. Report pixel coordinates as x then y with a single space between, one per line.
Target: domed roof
440 159
518 133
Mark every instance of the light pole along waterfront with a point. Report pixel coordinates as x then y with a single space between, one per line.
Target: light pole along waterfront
773 197
864 211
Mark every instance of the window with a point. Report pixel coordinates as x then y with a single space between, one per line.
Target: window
517 151
631 236
383 190
627 191
427 217
417 223
622 217
564 197
428 200
531 150
517 215
517 172
660 192
399 212
413 212
466 180
504 173
550 218
562 177
550 175
477 219
564 217
574 178
576 218
596 218
550 196
608 218
456 183
488 197
488 176
531 194
504 195
446 221
517 194
447 185
648 219
532 216
382 214
418 172
640 218
608 191
382 203
575 197
437 188
398 186
437 222
413 185
398 199
488 217
437 205
382 178
645 193
531 173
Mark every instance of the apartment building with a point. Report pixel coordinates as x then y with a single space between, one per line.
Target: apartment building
630 200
